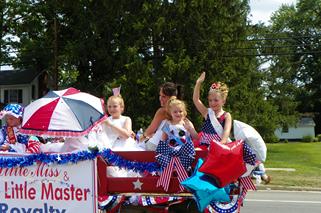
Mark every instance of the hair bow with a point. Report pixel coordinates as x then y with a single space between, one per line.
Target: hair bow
216 85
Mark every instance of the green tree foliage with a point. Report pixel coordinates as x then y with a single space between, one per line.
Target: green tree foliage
97 45
31 27
296 63
5 36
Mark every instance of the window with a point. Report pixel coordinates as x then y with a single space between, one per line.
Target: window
13 96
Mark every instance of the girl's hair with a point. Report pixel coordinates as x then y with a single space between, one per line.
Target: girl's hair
172 89
219 87
118 99
175 102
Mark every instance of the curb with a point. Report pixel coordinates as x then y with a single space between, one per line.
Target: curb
287 188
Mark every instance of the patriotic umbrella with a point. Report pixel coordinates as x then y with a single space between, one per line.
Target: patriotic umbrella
63 113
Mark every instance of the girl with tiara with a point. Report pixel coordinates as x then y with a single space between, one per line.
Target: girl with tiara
218 123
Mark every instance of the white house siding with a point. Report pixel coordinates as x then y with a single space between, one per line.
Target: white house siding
295 133
26 91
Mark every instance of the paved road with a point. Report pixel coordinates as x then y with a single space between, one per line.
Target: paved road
282 202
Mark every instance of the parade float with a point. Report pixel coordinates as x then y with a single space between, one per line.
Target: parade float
78 181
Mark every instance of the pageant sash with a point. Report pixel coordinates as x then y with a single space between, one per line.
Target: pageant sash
11 135
216 124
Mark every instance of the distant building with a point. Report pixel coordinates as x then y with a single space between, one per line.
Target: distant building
305 127
22 86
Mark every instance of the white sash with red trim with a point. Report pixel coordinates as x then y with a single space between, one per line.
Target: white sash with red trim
216 124
11 135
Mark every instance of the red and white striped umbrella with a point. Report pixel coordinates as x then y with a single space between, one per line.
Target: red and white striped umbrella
63 113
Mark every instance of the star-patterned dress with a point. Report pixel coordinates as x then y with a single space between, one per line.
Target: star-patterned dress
179 144
208 132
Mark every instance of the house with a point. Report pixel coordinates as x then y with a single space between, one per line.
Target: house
305 127
21 86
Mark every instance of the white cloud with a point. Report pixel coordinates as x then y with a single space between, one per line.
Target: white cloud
261 10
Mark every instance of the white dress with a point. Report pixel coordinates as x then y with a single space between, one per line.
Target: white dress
95 138
115 142
176 128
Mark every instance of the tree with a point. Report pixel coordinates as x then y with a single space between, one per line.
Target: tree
97 45
297 64
5 37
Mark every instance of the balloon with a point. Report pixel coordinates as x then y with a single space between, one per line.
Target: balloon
204 189
243 131
224 162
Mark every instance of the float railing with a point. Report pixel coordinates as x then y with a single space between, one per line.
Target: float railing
124 185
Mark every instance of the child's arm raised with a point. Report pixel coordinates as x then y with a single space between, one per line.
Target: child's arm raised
196 96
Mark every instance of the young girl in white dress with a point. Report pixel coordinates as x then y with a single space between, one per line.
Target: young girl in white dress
118 127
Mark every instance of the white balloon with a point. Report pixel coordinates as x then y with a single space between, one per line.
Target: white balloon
243 131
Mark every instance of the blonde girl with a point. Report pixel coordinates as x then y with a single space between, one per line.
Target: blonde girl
119 127
177 122
218 123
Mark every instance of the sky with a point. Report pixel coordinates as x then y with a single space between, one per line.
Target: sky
261 10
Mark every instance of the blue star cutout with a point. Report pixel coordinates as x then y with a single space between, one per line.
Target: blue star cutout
203 190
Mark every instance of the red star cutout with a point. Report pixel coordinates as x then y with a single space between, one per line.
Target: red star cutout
225 162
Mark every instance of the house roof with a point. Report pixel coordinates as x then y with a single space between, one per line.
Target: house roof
306 121
13 77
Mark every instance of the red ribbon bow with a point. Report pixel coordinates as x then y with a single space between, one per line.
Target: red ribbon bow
165 177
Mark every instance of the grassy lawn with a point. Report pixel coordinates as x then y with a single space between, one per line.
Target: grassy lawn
304 157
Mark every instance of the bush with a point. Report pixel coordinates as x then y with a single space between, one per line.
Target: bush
319 137
307 138
272 139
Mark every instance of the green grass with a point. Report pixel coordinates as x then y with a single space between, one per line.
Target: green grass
304 157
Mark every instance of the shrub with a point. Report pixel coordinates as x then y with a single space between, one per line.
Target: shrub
307 138
272 139
319 137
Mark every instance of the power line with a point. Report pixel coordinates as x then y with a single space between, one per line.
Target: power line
273 54
281 38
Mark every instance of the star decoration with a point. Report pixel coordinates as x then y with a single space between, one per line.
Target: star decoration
58 157
203 189
138 184
154 173
225 162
